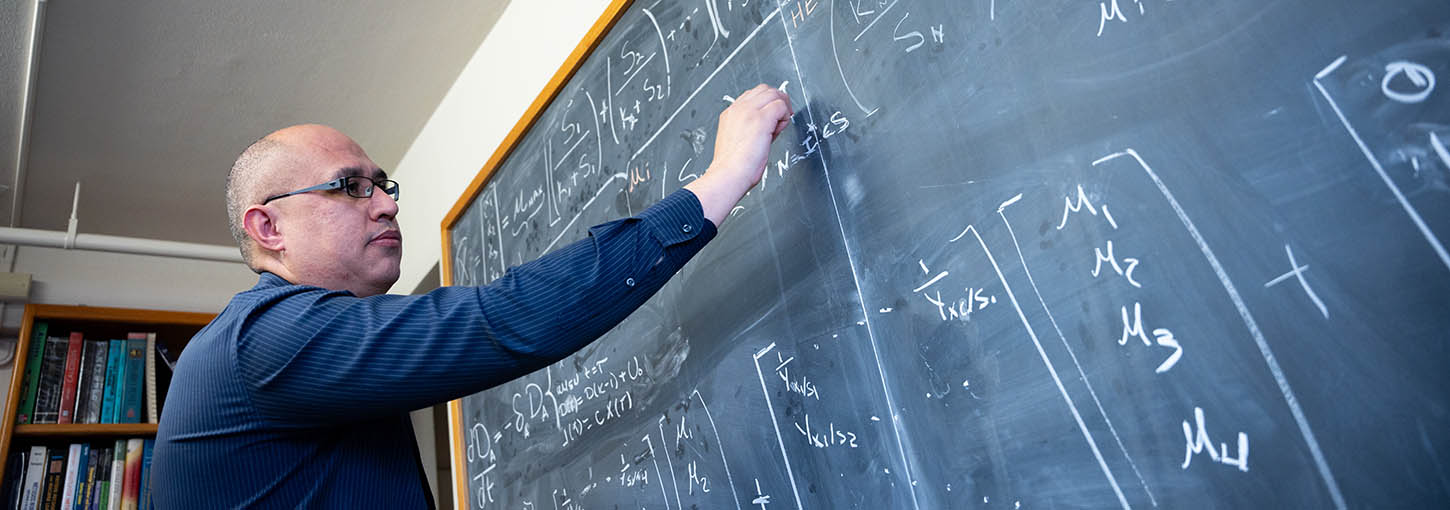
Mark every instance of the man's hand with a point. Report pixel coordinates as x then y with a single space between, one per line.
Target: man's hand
742 144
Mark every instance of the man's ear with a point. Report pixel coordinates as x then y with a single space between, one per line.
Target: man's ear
261 225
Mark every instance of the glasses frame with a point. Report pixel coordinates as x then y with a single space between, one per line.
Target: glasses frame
389 186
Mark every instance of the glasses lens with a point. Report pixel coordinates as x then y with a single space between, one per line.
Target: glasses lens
390 187
358 186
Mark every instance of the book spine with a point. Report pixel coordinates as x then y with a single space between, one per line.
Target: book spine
144 500
34 479
15 478
32 373
88 499
131 491
118 475
82 463
97 370
70 381
153 408
72 468
135 379
113 380
102 489
165 369
83 383
54 479
52 371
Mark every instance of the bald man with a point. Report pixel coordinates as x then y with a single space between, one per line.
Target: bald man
297 395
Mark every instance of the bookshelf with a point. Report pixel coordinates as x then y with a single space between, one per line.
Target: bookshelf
174 329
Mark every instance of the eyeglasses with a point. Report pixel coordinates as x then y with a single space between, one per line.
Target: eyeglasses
356 186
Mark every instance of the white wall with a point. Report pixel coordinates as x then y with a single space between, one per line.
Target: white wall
75 277
510 68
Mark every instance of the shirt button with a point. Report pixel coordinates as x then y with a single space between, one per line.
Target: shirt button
629 282
686 228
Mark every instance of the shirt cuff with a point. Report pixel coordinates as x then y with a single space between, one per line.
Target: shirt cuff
678 218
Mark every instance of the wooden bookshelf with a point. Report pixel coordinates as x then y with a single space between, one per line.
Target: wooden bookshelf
70 430
173 329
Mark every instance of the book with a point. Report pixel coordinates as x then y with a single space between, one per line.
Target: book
54 479
32 374
97 379
166 359
144 500
34 479
84 381
15 479
71 378
118 475
86 501
52 371
134 379
153 408
101 491
114 364
131 490
72 468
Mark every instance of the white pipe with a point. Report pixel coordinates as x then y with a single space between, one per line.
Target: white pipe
27 111
70 229
116 244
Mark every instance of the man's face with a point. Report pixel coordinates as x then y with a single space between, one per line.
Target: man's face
335 240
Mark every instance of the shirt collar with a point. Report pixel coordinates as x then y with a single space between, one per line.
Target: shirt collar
270 280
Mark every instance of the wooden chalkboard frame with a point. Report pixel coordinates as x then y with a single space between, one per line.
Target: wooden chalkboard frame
571 65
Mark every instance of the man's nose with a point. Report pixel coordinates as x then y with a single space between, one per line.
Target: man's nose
383 205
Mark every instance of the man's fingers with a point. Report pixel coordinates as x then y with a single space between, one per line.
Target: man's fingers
745 96
780 111
760 96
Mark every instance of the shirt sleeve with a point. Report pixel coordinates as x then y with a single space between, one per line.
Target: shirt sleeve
317 356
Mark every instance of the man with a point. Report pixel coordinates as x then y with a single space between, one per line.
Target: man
297 395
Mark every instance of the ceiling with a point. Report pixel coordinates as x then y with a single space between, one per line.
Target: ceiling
147 102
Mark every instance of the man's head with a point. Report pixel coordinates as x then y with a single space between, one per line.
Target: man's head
325 238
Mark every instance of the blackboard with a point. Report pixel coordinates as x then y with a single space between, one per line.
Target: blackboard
1086 254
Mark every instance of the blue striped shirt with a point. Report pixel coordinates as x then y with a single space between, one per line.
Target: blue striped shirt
298 396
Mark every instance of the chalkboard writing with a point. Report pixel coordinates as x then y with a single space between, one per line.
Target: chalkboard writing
1089 254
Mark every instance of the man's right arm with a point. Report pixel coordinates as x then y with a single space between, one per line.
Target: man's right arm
325 356
311 355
